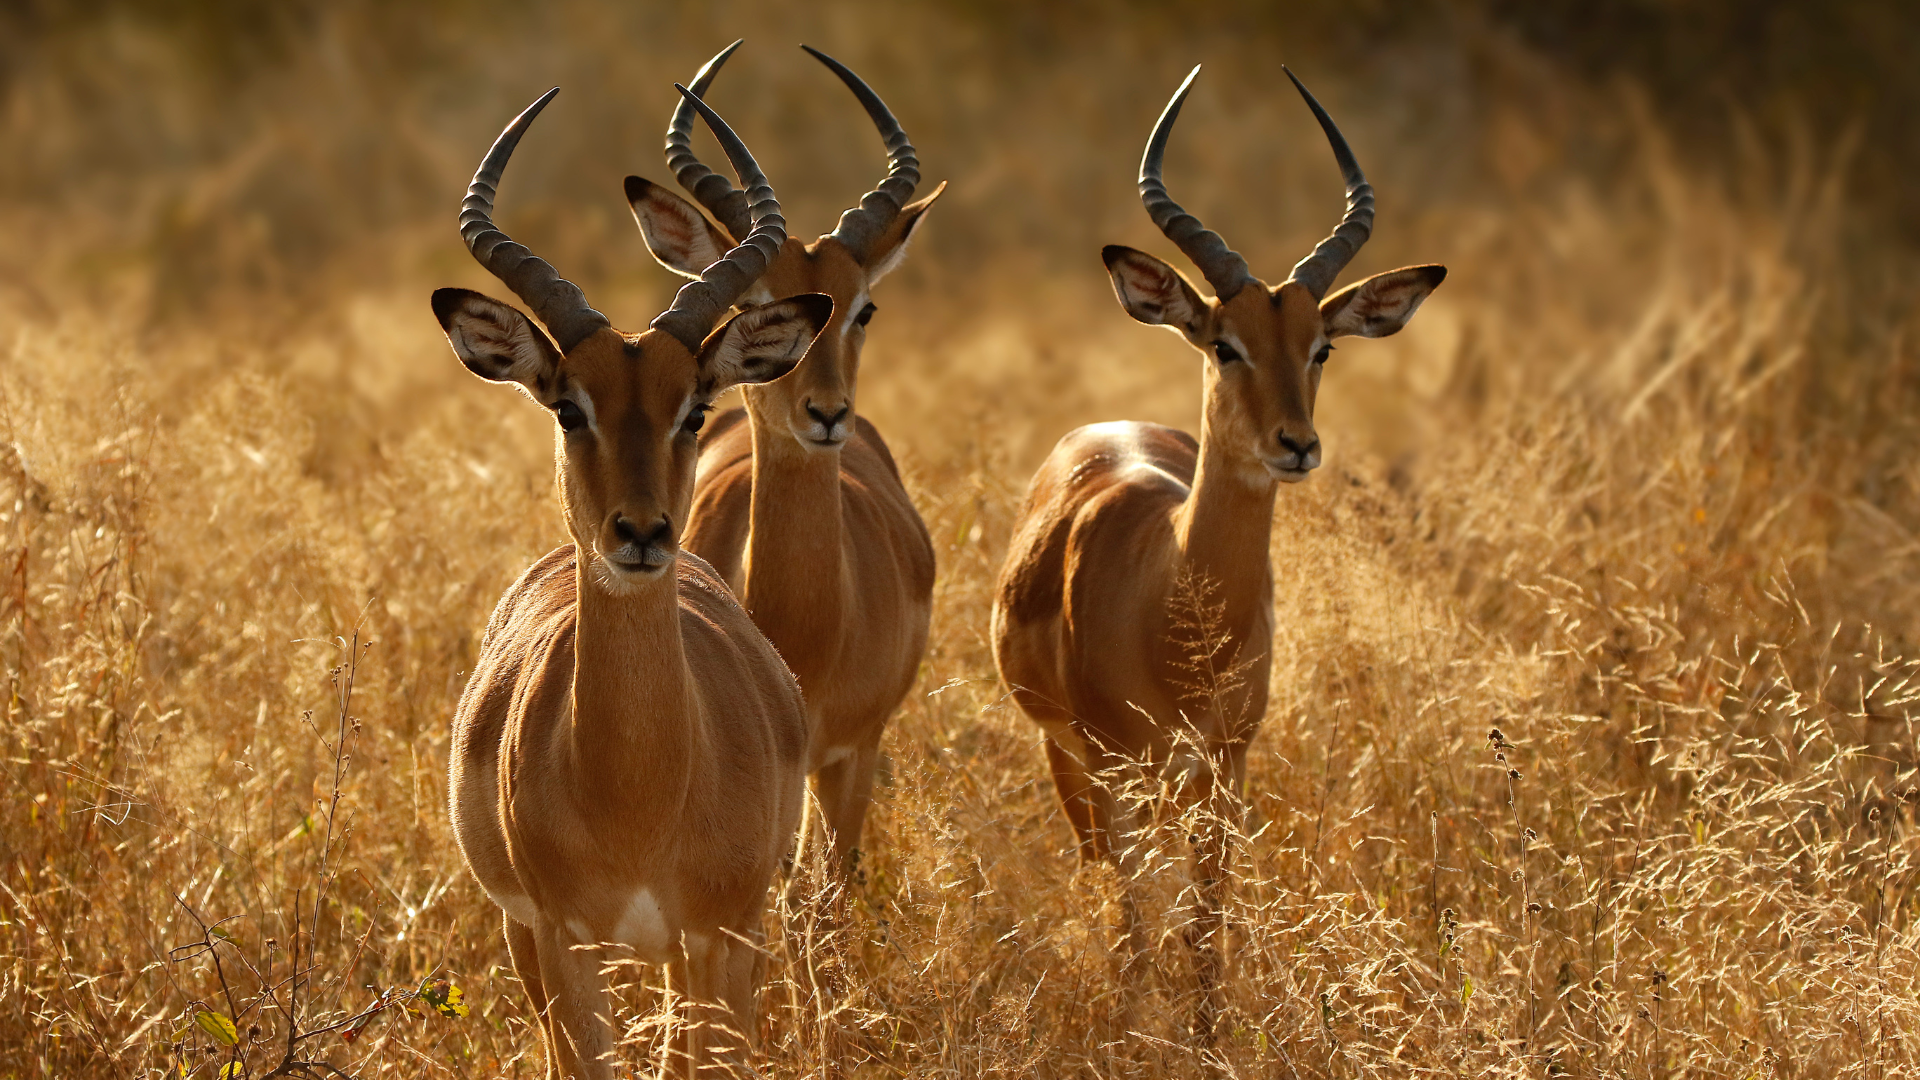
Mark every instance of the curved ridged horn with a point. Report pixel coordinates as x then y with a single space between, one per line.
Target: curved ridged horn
556 301
1223 267
862 225
1318 270
709 188
699 304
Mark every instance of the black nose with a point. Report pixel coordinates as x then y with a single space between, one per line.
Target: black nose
629 533
1298 447
827 421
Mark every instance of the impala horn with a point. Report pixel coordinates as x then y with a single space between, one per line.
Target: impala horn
709 188
862 225
699 304
1318 270
858 227
556 301
1223 267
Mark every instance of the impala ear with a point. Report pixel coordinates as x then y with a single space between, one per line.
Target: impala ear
1382 304
496 341
1155 293
763 342
891 249
679 235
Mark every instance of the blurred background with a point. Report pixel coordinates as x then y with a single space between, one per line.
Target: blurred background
1639 486
296 167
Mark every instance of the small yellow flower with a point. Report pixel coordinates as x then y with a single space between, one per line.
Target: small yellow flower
446 998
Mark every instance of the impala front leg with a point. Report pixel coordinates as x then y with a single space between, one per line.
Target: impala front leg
578 1021
1075 785
526 963
836 813
1204 929
1222 813
1117 837
712 977
843 790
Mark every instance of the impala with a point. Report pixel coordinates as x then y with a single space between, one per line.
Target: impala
628 762
1126 522
799 505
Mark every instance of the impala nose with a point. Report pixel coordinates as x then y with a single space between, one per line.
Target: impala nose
638 547
827 425
1302 454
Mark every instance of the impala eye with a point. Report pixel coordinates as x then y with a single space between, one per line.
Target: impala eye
570 416
1321 356
865 316
1225 352
696 417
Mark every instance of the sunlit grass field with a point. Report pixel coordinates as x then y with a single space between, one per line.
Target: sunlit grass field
1637 491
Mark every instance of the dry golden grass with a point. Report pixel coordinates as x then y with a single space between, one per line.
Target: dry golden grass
1637 490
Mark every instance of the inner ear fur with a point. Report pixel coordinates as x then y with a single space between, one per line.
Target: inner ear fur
763 342
1381 305
1155 293
496 341
676 232
891 249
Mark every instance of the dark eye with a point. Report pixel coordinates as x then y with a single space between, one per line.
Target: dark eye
865 316
1321 356
695 418
569 415
1225 352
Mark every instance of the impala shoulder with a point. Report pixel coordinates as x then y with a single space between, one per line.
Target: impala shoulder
708 607
717 631
542 590
868 437
1029 589
1124 524
1029 586
728 650
703 589
875 495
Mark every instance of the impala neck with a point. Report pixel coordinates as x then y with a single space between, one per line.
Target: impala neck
633 699
794 570
1224 528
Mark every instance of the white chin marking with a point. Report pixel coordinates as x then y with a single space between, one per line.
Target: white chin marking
621 582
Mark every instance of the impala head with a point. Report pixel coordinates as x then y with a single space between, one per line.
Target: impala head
1265 346
625 406
816 401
